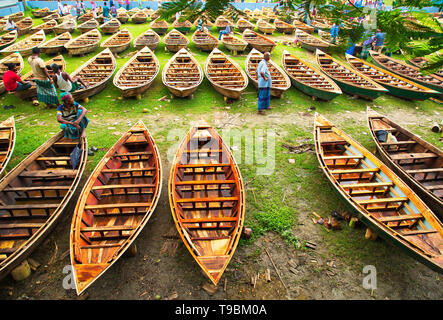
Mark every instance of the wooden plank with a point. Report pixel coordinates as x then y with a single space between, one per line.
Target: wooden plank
413 156
36 188
382 200
30 206
402 217
398 143
349 171
21 226
367 185
48 173
118 205
101 246
204 182
431 170
343 157
210 219
416 232
106 228
124 186
53 159
128 170
215 199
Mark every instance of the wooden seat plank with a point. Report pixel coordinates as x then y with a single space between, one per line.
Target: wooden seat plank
402 217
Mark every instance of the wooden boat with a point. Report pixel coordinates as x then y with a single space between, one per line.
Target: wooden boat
226 76
258 41
206 22
182 74
123 17
284 27
182 26
405 70
100 18
31 93
97 71
205 41
379 197
14 57
47 27
175 40
207 199
116 202
123 10
57 44
321 25
83 44
309 79
110 27
414 160
139 17
243 24
24 46
8 39
303 26
149 39
118 42
53 16
133 11
350 81
137 74
419 62
7 143
265 27
87 26
280 80
16 16
397 85
24 25
67 26
234 44
155 15
86 17
221 23
68 17
34 194
40 13
311 43
159 26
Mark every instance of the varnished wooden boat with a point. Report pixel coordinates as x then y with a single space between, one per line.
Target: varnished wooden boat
397 85
34 194
24 25
100 18
87 26
123 17
12 58
309 79
57 44
207 199
149 39
24 46
133 11
97 71
67 26
225 75
311 43
47 27
258 41
175 40
321 25
280 80
379 197
16 16
221 23
40 13
7 143
284 27
419 62
53 16
233 43
205 41
115 204
110 27
83 44
265 27
182 74
31 93
137 74
182 26
123 10
350 81
159 26
206 22
85 17
118 42
303 26
243 24
139 17
414 160
405 70
8 39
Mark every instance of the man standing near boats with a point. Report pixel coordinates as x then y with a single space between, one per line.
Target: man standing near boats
64 82
264 84
46 91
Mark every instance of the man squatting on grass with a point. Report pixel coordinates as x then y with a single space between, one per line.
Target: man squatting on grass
72 117
264 84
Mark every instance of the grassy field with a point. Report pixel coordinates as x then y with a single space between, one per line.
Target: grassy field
275 202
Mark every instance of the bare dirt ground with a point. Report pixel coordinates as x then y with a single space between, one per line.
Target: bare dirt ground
163 268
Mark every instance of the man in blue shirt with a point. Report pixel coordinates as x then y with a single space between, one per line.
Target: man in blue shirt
226 31
264 84
379 40
367 45
334 33
106 12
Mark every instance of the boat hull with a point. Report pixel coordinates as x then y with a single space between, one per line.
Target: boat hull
314 92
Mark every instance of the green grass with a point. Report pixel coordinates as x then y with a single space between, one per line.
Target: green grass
274 202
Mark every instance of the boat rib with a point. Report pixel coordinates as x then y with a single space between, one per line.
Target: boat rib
207 199
115 204
379 197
